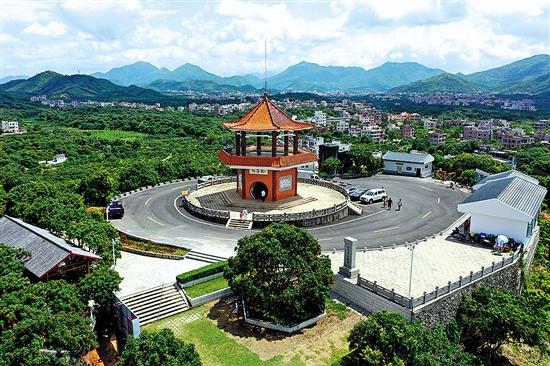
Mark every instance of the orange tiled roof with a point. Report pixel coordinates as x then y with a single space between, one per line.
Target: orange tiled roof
266 116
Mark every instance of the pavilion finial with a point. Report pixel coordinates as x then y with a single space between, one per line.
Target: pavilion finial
265 67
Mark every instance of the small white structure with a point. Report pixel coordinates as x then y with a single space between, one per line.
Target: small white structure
10 126
505 204
413 163
58 159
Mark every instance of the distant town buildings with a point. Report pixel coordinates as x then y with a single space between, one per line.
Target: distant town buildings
407 131
436 138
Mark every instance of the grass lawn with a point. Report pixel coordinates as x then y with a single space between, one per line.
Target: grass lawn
222 340
206 287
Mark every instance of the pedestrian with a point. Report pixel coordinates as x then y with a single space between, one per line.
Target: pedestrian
384 201
242 213
399 203
245 213
389 203
263 195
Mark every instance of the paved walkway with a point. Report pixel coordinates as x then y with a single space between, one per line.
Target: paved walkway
436 262
141 272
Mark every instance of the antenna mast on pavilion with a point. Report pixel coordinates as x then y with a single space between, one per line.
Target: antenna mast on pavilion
265 66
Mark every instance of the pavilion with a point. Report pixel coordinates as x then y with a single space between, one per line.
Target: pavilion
266 171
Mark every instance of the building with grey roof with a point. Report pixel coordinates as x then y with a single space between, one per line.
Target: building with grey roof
50 255
414 163
507 204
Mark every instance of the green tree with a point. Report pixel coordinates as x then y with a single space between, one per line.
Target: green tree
280 274
99 285
40 324
489 318
95 235
3 200
331 166
388 339
98 188
158 349
137 174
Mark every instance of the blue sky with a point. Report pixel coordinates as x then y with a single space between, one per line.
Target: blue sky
227 37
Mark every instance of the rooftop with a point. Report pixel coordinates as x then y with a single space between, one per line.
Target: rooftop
266 116
47 250
420 158
515 191
506 174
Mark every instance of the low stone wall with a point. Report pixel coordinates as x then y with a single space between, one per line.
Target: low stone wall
367 300
282 328
204 299
445 308
201 280
152 254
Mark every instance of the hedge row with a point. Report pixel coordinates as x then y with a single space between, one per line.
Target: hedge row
202 272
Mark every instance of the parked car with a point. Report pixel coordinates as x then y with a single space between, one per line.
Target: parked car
206 178
115 210
314 177
356 194
377 194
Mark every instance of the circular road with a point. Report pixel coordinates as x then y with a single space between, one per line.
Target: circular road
428 207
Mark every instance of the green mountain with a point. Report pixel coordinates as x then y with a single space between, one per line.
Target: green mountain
139 73
201 86
448 83
307 76
539 84
82 87
504 77
6 79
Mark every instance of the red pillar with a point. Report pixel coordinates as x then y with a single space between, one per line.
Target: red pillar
286 144
274 143
295 147
243 143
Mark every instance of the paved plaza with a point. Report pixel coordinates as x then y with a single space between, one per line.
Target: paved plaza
435 262
140 272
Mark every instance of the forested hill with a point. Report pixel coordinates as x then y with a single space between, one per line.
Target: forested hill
84 87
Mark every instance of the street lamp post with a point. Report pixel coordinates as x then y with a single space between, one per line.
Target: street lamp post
411 248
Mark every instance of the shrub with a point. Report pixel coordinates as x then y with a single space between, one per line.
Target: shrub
202 272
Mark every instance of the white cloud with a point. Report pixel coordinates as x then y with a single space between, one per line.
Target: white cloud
52 29
227 37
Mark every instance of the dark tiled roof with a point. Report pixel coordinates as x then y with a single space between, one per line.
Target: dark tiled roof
408 157
514 191
47 250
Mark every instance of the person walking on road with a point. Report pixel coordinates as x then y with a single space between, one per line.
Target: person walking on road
242 213
263 195
384 202
399 203
389 203
245 213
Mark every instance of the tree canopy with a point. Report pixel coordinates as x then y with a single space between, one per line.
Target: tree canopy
280 274
158 349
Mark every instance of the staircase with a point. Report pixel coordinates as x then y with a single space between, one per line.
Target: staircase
203 257
239 224
156 303
354 209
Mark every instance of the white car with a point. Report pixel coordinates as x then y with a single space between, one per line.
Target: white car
206 178
377 194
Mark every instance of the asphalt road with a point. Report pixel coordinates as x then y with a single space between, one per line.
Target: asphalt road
428 208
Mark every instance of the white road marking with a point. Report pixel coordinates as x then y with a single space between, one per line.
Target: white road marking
346 222
429 212
160 223
386 229
325 239
431 190
438 200
216 238
149 199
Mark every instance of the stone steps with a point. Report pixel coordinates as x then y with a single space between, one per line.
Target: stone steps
354 209
156 303
239 224
203 257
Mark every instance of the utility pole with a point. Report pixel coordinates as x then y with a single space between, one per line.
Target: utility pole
411 248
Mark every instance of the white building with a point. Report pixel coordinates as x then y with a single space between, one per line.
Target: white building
415 164
320 119
505 204
342 126
58 159
375 133
10 126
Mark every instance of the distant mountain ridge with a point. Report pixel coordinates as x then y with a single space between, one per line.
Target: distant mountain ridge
81 87
530 75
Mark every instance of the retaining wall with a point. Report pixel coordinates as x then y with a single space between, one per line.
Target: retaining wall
201 280
201 300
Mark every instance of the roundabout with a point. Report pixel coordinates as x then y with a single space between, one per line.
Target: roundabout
428 207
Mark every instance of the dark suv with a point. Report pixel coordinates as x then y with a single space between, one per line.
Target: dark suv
115 210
